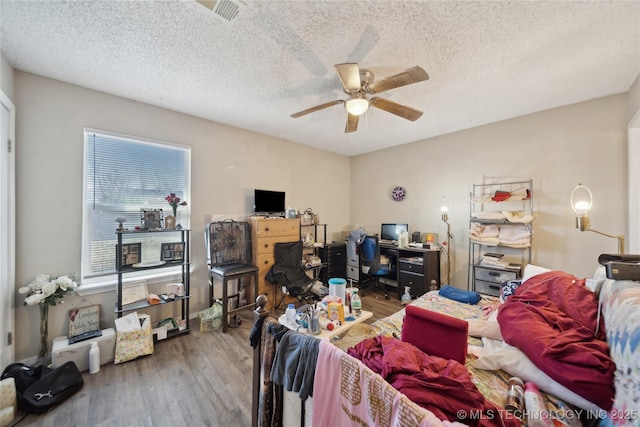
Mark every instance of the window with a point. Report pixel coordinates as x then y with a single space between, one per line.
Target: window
123 175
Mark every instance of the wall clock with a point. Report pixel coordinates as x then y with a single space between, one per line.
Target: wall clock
398 194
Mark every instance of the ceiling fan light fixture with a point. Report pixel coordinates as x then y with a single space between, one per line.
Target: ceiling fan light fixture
357 104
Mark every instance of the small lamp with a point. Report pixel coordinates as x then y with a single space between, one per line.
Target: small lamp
444 209
581 201
357 104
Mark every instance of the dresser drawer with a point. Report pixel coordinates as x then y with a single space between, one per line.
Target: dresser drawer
265 245
276 227
494 275
264 262
489 288
412 267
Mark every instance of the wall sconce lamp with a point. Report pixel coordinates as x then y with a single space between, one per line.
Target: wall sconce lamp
444 209
581 200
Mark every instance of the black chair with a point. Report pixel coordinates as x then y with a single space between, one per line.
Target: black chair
371 266
228 245
287 272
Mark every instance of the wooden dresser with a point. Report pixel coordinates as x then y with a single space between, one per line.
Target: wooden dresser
265 233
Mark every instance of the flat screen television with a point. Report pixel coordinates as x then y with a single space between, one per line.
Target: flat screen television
392 231
268 202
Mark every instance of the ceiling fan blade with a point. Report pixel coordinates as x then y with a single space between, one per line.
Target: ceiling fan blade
352 123
349 76
397 109
410 76
317 108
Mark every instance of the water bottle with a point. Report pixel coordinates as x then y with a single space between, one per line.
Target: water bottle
290 315
94 358
356 304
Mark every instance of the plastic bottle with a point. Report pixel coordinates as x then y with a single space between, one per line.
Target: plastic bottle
356 304
290 315
94 358
537 413
515 397
326 324
406 297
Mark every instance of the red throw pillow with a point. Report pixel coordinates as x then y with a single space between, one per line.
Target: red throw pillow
436 334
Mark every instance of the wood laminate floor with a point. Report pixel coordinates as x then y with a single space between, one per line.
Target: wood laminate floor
197 379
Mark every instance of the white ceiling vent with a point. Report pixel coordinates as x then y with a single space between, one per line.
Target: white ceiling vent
226 9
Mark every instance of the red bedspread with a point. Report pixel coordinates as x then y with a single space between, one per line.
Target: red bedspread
442 386
552 319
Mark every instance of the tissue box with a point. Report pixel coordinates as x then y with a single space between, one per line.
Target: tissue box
63 352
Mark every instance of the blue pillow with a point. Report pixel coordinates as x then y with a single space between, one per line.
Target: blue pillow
467 297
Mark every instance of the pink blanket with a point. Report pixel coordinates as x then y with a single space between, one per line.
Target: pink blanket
348 394
552 319
441 386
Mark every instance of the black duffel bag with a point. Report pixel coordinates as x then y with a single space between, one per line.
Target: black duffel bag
24 376
53 388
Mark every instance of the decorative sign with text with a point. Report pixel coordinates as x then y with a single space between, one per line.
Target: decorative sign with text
84 319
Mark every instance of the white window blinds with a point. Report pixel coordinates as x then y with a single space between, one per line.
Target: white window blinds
122 176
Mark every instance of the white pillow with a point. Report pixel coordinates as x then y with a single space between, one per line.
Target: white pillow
531 270
500 355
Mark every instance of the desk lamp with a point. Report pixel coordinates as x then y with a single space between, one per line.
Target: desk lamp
581 200
444 209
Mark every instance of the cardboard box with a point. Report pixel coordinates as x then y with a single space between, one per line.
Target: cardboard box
63 352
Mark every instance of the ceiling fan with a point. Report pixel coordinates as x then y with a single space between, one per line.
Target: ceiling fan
358 83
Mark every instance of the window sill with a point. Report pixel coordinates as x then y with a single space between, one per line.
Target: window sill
110 283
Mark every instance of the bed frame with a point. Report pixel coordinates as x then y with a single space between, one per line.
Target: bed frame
620 303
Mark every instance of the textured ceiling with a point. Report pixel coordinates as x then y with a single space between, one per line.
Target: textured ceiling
487 60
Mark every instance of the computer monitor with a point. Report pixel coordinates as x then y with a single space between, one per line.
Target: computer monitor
392 231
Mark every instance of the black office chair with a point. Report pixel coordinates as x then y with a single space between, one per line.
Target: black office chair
371 266
287 272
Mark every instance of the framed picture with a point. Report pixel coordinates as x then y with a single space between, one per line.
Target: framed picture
131 254
152 219
134 292
172 251
84 319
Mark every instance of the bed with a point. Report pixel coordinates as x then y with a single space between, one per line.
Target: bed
351 390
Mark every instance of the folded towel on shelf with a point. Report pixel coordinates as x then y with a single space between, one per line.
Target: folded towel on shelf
484 230
514 233
488 241
488 215
520 217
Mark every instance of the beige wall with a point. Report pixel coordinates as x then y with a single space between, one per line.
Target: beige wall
6 76
634 97
227 164
558 148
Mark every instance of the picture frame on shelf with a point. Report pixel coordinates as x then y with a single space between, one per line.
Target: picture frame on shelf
84 319
134 292
172 251
131 254
151 219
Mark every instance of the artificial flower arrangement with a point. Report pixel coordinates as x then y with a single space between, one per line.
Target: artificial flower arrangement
49 289
174 202
46 290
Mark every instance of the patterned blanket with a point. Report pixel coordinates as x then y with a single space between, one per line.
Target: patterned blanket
492 384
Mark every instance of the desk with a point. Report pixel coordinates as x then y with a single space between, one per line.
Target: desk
418 268
330 335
